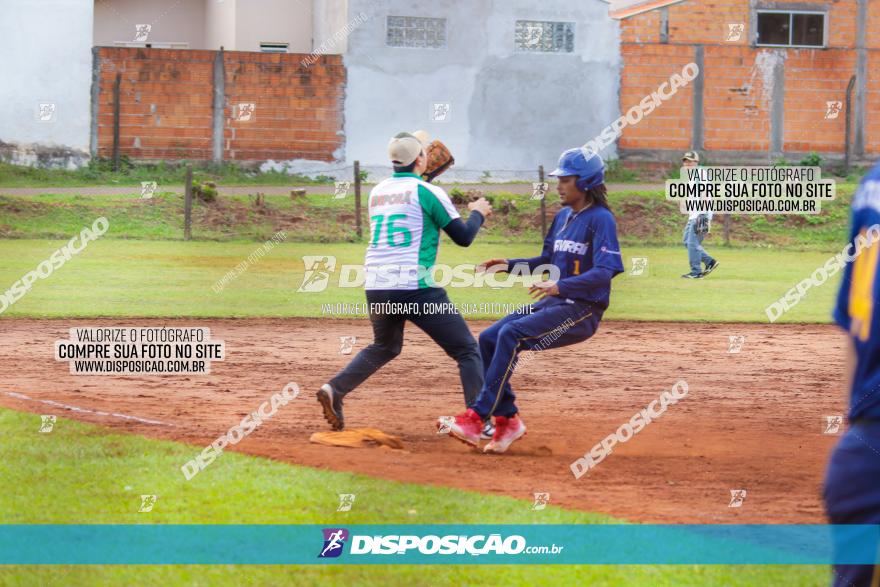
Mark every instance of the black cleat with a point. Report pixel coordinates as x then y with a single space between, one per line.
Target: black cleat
710 268
693 275
331 401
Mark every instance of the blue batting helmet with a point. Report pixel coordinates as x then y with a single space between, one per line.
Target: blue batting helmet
586 165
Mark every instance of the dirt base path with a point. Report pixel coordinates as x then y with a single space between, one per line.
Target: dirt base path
752 420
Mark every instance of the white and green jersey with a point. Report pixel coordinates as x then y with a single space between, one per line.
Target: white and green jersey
406 216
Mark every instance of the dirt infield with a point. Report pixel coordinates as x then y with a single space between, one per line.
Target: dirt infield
752 420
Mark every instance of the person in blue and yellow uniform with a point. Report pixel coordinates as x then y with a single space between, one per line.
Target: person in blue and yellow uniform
852 483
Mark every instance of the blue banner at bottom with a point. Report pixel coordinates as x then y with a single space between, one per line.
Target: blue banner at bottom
439 544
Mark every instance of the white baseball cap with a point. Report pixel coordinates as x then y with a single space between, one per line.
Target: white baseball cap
405 147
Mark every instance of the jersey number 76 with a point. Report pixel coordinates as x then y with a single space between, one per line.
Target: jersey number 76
391 231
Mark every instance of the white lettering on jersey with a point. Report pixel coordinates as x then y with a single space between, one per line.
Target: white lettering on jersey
570 247
391 199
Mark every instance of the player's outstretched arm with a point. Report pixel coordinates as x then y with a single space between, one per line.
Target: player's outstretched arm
463 233
493 265
546 252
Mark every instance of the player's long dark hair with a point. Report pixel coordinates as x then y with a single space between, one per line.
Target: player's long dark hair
599 196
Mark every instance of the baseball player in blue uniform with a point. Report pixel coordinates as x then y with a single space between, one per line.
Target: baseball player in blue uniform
852 483
582 245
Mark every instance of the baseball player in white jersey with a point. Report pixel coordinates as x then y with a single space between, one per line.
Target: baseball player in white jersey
406 217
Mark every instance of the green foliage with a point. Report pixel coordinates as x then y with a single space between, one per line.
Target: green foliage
781 162
812 160
615 172
855 174
673 172
206 192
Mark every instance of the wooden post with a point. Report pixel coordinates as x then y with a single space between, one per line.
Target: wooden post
727 219
187 204
116 121
357 198
543 203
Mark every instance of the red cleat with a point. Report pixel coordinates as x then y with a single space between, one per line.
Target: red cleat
507 430
465 427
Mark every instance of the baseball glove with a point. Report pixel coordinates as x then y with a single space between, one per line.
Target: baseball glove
439 160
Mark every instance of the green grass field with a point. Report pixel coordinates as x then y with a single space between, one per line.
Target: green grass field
117 278
81 473
84 474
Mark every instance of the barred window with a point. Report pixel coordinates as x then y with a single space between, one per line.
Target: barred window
415 31
780 28
544 36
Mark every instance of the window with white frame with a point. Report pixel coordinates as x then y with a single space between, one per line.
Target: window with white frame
791 28
543 36
415 32
267 47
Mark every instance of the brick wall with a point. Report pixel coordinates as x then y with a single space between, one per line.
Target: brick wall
166 105
736 113
872 117
645 68
812 79
644 28
739 82
298 110
706 21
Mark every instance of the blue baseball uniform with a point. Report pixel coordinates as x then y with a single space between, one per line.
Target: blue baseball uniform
852 483
583 246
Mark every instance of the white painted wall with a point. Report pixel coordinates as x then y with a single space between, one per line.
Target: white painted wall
45 57
329 18
171 21
237 25
284 21
509 110
220 24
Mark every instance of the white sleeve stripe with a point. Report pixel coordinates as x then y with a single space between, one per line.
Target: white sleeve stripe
443 198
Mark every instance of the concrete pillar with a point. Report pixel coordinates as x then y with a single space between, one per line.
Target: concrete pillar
218 106
777 110
861 89
697 135
96 101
